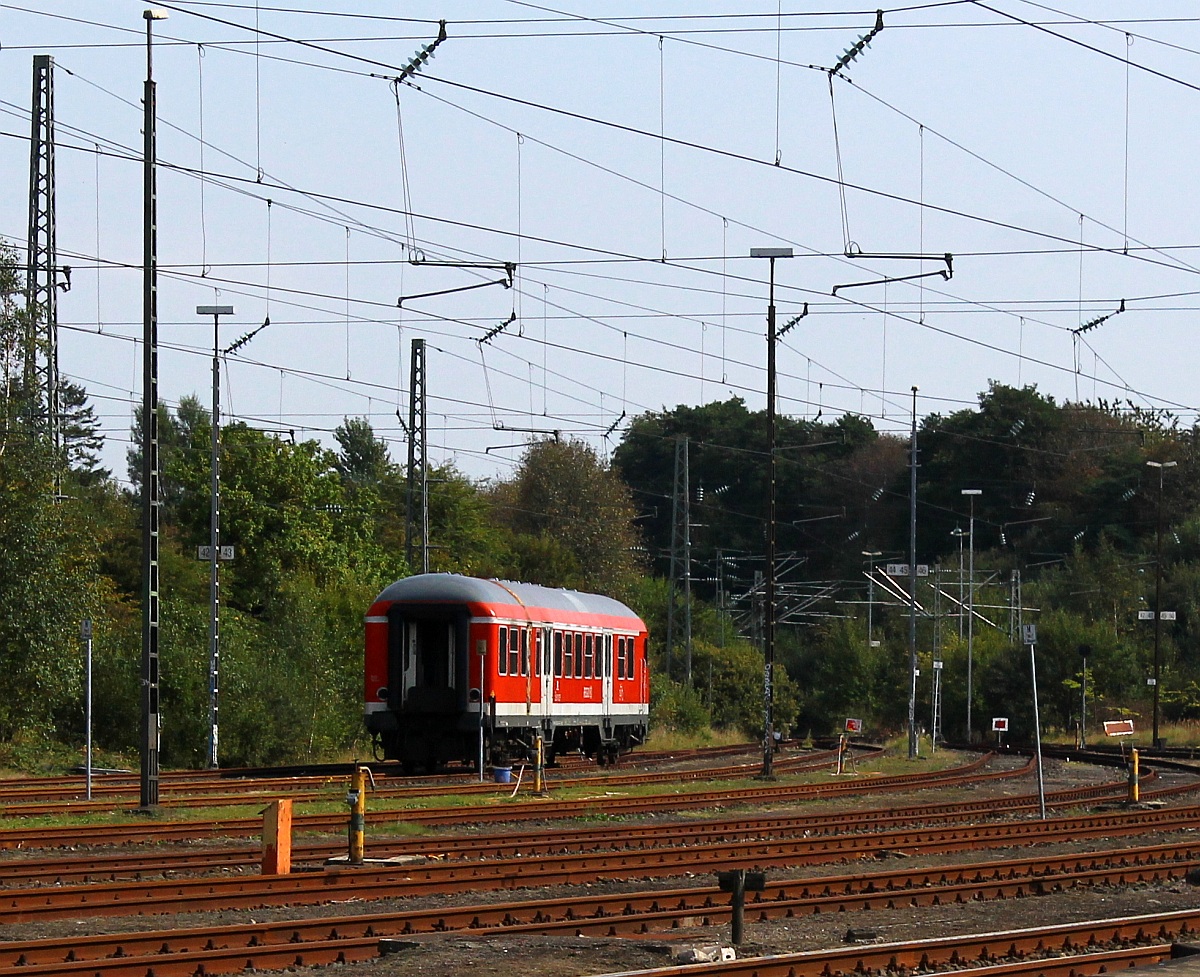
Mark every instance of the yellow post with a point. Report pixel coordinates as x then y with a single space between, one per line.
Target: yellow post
277 838
357 799
1134 793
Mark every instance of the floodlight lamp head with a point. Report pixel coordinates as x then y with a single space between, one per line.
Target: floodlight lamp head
154 13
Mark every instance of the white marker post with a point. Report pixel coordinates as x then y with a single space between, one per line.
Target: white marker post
85 632
1029 636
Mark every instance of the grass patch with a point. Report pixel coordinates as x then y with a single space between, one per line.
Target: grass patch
670 739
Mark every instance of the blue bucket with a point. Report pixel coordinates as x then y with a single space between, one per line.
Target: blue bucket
503 775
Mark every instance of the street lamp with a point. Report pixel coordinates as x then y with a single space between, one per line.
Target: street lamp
971 608
214 622
150 487
871 556
1160 465
769 624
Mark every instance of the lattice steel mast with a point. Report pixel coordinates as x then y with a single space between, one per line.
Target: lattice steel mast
41 279
417 498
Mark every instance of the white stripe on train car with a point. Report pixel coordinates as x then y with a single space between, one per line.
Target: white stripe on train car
377 620
574 708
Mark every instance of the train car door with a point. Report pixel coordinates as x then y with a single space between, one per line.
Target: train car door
606 683
427 663
545 668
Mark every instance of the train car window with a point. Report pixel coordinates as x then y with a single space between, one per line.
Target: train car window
579 655
620 656
516 648
545 652
557 653
524 651
502 657
568 654
587 656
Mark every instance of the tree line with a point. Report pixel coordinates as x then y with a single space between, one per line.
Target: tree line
1067 530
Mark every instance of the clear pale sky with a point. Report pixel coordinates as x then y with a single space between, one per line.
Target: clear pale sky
626 158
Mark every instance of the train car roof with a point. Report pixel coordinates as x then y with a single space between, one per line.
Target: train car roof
454 587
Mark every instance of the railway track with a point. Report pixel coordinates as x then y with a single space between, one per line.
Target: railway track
210 792
673 855
84 867
258 945
500 809
125 785
1091 947
504 861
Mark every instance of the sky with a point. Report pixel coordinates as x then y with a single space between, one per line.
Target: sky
622 160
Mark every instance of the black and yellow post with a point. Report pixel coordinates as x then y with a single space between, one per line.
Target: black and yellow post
356 798
1134 792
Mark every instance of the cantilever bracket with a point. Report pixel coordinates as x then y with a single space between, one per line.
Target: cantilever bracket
945 273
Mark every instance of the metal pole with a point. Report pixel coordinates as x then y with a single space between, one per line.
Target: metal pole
87 701
971 623
1037 731
769 642
937 703
1083 707
971 611
214 624
1158 597
687 569
769 611
912 589
150 487
959 533
870 600
214 538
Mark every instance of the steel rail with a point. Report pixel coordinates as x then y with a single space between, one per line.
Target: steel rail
189 895
1024 949
283 778
221 793
616 914
81 867
507 809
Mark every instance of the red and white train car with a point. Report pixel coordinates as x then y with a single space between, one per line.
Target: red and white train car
450 659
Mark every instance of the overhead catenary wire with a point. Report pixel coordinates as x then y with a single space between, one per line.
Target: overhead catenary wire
701 325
